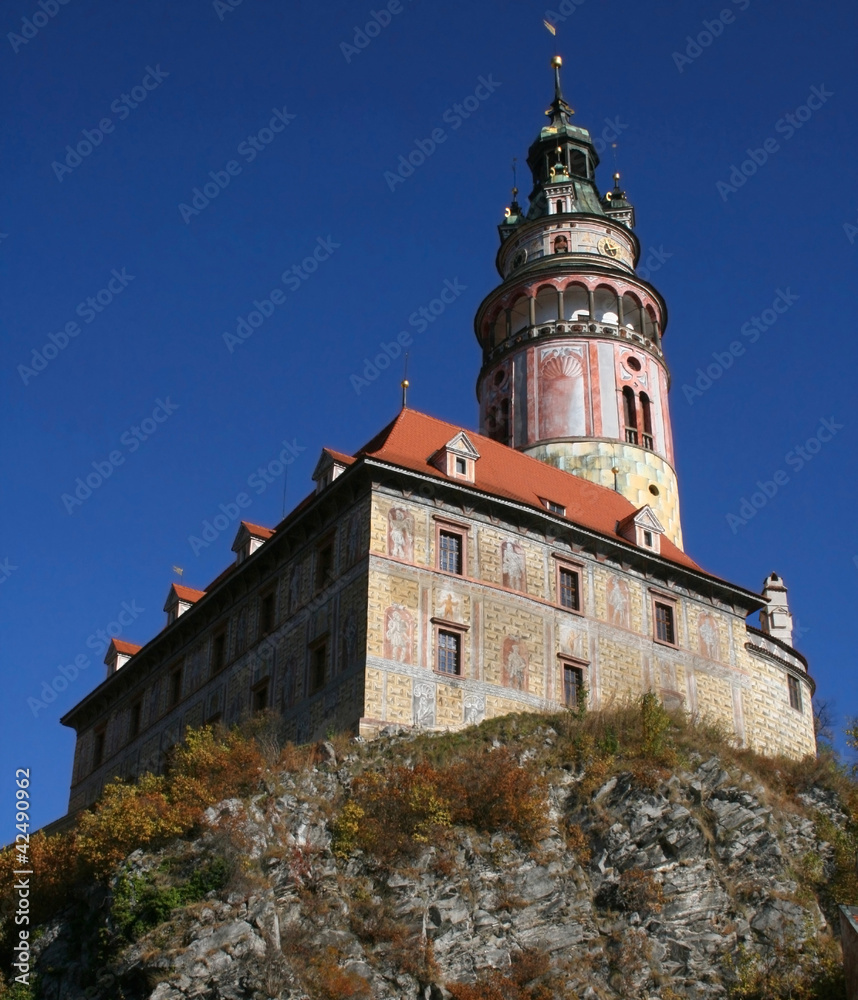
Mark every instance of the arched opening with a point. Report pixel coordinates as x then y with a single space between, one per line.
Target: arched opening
630 416
646 419
576 304
649 323
559 207
498 329
546 305
606 305
519 315
631 313
561 244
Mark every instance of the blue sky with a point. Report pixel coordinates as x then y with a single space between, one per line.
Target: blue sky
141 380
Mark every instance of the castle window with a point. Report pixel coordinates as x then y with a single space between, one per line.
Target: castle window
175 687
134 716
568 585
318 666
218 652
665 627
573 686
450 545
647 538
794 686
519 316
266 612
259 697
631 313
606 305
461 467
646 413
559 206
576 304
555 508
630 416
325 563
98 748
449 646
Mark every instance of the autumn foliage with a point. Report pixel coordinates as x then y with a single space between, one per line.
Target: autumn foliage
397 810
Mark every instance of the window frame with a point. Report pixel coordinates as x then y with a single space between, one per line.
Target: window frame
269 595
99 745
175 692
670 603
564 564
794 692
582 669
314 649
447 527
219 641
456 636
260 688
135 719
448 627
323 576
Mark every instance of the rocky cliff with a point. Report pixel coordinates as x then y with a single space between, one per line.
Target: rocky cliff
673 867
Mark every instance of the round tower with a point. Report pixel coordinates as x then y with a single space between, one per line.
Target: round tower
573 371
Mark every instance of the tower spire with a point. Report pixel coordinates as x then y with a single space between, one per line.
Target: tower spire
559 112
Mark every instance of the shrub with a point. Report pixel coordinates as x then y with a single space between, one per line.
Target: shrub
393 811
639 891
528 979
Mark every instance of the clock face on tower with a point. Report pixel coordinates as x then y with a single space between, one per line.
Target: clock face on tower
609 248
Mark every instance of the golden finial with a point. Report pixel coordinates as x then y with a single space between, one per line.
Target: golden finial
556 62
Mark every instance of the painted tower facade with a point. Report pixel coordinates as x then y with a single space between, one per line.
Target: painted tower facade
573 371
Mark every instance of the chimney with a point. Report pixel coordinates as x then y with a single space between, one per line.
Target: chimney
775 618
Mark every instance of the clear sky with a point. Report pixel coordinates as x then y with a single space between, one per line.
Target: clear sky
141 382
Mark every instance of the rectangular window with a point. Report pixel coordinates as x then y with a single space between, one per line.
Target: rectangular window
324 564
794 692
573 686
266 613
664 625
569 588
218 652
98 749
450 552
318 667
449 652
134 719
461 466
259 697
175 687
556 508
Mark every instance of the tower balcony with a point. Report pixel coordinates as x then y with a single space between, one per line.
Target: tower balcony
564 328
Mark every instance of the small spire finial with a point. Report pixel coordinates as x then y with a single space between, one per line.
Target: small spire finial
405 384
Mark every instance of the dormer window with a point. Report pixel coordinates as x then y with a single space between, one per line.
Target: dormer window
457 459
248 539
179 600
642 528
554 507
331 465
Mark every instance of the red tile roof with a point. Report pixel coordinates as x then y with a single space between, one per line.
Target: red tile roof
257 531
188 593
120 646
412 438
338 456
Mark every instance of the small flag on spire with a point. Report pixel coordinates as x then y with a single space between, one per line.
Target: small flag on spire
550 27
178 571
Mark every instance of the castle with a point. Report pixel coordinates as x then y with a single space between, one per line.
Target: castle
439 576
